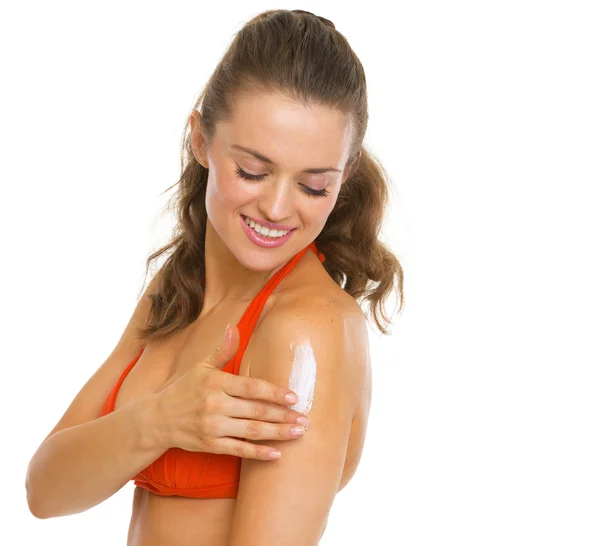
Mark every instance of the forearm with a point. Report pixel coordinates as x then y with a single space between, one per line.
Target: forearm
79 467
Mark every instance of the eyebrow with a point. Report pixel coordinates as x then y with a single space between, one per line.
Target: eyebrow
261 157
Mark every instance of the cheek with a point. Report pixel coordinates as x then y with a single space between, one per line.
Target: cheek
225 191
316 211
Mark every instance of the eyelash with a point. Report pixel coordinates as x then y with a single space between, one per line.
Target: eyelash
257 178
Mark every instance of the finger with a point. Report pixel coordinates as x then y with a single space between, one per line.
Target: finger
226 350
258 389
261 430
261 411
246 450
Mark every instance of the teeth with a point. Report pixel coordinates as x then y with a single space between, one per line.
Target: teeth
265 231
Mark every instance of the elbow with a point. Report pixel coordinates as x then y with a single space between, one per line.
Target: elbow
36 514
33 501
33 504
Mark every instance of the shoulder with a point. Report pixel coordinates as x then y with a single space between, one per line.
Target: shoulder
317 309
324 322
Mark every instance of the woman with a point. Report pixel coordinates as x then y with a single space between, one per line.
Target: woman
279 208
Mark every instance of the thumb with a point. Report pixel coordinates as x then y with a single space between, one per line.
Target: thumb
227 349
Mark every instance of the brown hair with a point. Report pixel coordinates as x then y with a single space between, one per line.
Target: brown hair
303 56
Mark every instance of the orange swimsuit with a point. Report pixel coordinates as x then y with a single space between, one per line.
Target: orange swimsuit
197 474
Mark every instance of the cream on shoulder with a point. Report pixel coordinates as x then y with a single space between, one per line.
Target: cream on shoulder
303 376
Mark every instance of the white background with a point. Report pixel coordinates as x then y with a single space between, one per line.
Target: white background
484 423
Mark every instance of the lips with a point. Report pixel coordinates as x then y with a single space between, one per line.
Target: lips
261 240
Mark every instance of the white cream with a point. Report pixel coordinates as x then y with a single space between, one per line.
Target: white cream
303 377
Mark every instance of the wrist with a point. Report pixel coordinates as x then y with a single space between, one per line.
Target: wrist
154 434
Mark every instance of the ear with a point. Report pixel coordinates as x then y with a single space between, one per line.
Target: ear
198 139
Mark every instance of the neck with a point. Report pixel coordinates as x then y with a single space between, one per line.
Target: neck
225 278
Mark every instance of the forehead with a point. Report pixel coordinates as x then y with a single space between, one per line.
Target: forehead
287 131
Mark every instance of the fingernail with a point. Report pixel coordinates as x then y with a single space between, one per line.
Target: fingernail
227 333
302 421
274 455
291 398
298 431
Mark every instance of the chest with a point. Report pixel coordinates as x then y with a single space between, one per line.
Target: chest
163 361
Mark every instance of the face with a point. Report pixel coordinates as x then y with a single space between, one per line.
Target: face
259 170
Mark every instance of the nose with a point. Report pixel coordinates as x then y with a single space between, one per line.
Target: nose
276 202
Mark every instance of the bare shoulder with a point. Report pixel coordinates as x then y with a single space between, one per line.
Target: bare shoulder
319 314
319 295
320 304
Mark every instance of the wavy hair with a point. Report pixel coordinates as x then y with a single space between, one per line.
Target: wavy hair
304 57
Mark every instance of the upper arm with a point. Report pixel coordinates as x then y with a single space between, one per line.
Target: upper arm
88 402
286 502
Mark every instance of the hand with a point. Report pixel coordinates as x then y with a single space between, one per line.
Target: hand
206 407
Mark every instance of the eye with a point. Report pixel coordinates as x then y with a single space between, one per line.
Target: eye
315 193
257 177
248 176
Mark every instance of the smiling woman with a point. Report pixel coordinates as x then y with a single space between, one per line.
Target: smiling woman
279 208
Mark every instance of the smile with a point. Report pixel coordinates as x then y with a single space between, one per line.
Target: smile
263 236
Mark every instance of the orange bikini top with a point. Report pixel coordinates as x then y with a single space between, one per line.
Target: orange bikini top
197 474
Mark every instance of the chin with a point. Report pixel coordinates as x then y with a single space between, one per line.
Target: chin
261 259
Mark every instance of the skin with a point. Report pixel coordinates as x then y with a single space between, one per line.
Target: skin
286 501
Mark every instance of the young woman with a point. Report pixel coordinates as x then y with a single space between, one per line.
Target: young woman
279 209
